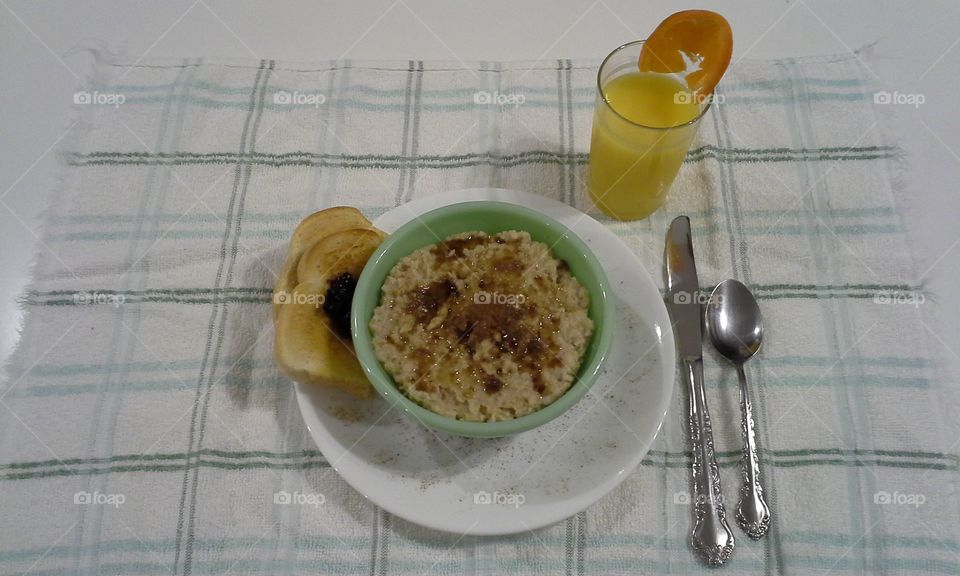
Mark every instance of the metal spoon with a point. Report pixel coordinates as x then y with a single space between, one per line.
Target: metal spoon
735 326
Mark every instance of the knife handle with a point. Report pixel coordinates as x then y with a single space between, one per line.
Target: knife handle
711 536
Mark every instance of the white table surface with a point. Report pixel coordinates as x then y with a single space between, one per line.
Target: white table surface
916 44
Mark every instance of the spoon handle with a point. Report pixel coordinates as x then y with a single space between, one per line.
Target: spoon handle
753 515
711 535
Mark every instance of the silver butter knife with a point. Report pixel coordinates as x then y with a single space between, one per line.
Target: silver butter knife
711 536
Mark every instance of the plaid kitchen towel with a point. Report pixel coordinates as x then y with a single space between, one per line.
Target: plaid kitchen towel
145 429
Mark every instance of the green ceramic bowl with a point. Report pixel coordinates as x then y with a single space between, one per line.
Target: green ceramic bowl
490 217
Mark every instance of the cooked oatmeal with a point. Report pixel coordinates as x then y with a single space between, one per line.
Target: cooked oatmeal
482 327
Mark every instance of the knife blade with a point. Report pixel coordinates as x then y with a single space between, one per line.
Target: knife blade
683 287
711 537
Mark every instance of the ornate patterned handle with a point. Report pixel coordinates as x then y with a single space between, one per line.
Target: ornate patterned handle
711 536
753 515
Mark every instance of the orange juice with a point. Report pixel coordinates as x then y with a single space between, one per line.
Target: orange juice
642 127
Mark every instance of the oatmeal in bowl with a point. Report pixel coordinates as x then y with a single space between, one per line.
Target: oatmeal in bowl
482 319
482 327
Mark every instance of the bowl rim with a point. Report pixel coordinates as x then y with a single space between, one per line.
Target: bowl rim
383 382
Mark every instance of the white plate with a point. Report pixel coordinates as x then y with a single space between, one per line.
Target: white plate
533 479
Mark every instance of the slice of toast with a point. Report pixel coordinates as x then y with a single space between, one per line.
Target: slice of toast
309 350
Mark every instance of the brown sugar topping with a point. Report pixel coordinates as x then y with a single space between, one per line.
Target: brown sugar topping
451 249
492 384
429 298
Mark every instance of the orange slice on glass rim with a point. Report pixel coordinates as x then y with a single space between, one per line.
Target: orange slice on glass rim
694 43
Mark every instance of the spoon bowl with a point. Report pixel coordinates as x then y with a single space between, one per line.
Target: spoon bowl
734 321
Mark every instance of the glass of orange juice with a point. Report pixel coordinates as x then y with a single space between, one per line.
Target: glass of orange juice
643 125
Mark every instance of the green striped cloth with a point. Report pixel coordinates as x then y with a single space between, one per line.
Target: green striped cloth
144 429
